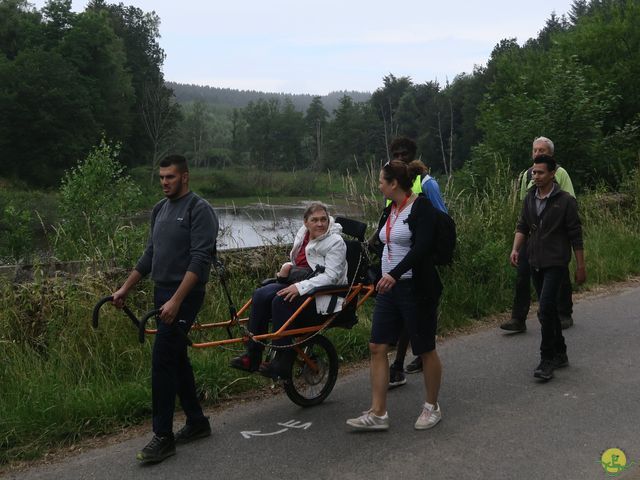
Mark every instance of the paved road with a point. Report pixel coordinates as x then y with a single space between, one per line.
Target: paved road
498 421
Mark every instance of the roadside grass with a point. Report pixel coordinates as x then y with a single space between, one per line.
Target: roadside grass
62 381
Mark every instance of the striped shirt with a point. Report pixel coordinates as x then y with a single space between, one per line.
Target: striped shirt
400 242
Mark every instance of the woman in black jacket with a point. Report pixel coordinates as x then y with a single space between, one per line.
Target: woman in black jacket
408 293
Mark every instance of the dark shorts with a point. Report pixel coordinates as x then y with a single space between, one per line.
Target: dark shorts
400 308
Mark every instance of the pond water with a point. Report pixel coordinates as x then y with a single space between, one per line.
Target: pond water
256 226
259 225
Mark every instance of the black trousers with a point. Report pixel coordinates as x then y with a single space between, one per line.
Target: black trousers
547 281
522 297
171 372
267 306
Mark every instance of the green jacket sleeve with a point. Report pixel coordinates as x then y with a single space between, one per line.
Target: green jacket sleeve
563 179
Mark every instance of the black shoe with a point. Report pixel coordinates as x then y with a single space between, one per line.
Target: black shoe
560 360
189 433
514 325
396 377
415 366
159 448
249 362
566 321
544 370
280 367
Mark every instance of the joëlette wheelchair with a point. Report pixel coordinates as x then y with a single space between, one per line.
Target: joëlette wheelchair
314 368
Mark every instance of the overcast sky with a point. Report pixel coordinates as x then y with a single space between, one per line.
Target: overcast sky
296 46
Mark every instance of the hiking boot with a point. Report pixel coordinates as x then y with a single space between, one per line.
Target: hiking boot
560 360
159 448
429 417
566 321
189 433
415 366
544 370
369 421
396 378
514 325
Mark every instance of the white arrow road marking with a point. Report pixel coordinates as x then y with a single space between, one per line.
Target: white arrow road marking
288 424
257 433
295 424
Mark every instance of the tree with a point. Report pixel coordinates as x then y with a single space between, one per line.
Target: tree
58 20
98 56
385 101
351 135
570 110
139 32
261 120
420 118
607 38
316 121
289 135
20 27
238 135
47 122
159 115
197 129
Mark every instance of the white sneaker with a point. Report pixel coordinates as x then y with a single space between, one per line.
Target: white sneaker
429 418
369 421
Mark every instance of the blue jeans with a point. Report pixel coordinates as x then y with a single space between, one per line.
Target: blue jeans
547 282
171 372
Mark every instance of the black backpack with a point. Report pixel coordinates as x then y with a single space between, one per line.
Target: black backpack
445 238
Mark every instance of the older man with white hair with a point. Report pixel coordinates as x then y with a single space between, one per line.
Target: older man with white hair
522 297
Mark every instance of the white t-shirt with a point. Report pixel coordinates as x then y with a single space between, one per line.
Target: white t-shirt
399 242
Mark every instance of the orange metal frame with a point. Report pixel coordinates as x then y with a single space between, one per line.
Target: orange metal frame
354 291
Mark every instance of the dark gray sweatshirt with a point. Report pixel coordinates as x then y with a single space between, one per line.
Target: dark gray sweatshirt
180 242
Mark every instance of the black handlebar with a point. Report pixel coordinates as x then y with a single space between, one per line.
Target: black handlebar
96 312
139 324
143 325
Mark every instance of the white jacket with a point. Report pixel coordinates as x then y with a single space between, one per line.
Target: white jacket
330 251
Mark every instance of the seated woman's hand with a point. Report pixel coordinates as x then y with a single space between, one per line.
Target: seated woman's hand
289 293
284 270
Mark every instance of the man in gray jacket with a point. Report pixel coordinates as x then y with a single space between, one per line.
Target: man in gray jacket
549 222
178 256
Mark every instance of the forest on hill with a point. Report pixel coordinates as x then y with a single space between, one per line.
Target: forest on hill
69 79
232 98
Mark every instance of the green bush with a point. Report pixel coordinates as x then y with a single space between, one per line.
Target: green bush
97 204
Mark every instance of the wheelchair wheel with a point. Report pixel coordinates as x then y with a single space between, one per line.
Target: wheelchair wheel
310 385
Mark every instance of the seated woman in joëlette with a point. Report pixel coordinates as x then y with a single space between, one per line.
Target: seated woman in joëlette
318 247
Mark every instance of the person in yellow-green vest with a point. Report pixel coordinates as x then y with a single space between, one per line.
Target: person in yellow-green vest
522 296
405 149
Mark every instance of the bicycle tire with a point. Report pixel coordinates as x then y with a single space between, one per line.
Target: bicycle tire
306 387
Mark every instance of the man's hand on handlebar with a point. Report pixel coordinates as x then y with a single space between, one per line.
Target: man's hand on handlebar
119 297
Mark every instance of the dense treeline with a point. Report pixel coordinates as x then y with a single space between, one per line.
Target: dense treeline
576 83
67 79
